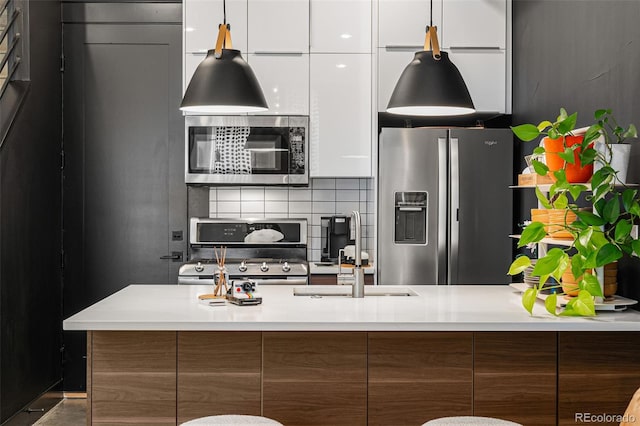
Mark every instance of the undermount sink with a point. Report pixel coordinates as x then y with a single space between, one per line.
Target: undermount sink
345 290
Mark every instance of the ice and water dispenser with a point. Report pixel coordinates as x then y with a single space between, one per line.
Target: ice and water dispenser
411 217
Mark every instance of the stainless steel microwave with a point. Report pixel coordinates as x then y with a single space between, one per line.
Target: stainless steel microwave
247 150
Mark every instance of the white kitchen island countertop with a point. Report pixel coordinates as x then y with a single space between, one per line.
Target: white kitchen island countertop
437 308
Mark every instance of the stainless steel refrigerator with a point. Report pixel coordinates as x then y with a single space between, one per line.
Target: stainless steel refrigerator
444 206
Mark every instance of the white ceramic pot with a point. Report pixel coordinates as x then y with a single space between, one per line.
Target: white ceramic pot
620 154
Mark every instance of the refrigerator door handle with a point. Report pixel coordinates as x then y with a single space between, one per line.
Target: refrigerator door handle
454 206
442 211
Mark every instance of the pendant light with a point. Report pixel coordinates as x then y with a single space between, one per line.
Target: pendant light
431 84
223 82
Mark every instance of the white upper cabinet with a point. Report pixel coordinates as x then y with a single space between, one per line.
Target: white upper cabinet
474 24
391 63
278 26
402 23
485 75
341 115
201 19
285 82
340 26
191 62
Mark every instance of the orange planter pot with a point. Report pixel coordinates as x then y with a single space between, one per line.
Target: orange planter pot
575 172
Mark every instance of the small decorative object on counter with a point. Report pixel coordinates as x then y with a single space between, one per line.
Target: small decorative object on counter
221 277
244 292
597 236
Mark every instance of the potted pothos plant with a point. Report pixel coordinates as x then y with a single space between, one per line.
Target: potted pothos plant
600 236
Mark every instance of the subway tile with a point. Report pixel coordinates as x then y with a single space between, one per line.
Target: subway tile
228 194
252 207
213 214
316 243
324 195
276 194
316 231
276 207
363 207
363 196
347 195
299 207
274 215
305 216
229 215
316 219
315 255
328 207
252 194
213 192
322 183
228 207
309 253
346 207
296 194
347 183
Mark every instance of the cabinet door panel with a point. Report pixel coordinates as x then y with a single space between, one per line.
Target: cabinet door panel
391 63
506 369
485 75
340 26
403 22
201 19
415 377
340 115
285 82
474 23
278 26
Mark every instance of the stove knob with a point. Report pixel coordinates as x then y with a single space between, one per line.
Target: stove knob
286 267
264 267
199 267
242 267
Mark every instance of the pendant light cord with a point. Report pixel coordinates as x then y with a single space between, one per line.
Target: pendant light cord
431 14
224 12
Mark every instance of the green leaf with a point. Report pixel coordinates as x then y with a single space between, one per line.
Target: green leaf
543 125
598 239
563 264
529 298
591 135
553 133
568 124
549 263
538 150
602 190
587 156
542 199
533 233
612 210
591 284
600 113
567 156
623 228
576 190
582 305
636 247
635 208
627 198
561 202
550 303
561 179
577 265
590 218
607 254
526 132
520 264
599 206
584 237
590 261
631 132
563 115
540 168
597 178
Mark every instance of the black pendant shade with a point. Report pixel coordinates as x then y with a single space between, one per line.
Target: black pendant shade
431 87
224 85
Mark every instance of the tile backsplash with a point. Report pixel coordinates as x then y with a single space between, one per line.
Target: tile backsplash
323 197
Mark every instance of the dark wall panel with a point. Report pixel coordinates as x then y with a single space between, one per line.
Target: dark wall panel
30 224
581 55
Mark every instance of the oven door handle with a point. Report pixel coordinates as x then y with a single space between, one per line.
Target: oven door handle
281 281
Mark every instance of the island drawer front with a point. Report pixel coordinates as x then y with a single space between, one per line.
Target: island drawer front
418 376
510 367
133 377
316 378
219 373
598 373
